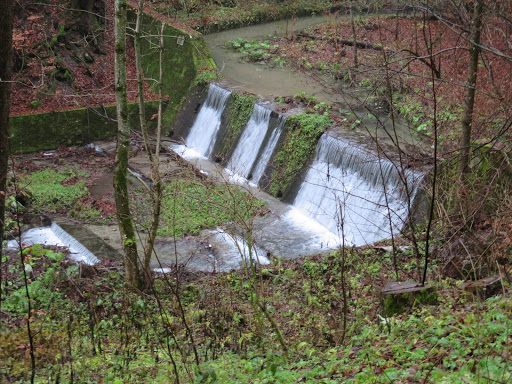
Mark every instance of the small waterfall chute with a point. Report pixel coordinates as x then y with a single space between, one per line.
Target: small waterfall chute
247 149
203 133
265 156
55 235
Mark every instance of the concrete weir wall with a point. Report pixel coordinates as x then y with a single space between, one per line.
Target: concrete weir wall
181 66
40 131
284 171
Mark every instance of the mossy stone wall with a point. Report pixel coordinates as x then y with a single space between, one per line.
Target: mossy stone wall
181 65
184 57
40 131
299 142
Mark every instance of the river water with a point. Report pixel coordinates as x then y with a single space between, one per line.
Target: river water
271 82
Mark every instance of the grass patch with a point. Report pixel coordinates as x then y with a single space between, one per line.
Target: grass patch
62 192
54 191
190 205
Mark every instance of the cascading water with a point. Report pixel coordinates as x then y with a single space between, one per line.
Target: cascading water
55 235
354 194
263 160
203 133
248 146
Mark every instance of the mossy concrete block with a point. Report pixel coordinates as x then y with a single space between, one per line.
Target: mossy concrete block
484 288
42 131
238 111
180 63
399 297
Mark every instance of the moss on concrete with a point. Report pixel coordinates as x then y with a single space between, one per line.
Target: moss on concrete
394 303
239 111
182 63
302 132
35 132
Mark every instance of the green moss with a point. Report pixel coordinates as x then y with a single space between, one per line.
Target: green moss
301 137
400 303
61 32
35 132
182 63
206 76
238 114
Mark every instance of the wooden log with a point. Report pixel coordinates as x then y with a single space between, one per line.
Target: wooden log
398 297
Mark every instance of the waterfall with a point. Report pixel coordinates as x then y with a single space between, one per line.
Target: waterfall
268 151
247 149
354 192
55 235
203 133
235 251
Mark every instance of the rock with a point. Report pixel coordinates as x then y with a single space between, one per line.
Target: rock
398 297
484 288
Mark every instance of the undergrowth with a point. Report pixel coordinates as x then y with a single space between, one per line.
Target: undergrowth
92 327
190 205
63 191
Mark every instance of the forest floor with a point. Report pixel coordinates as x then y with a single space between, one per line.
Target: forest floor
89 327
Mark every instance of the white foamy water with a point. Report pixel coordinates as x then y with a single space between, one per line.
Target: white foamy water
232 251
203 133
263 160
355 193
55 235
246 151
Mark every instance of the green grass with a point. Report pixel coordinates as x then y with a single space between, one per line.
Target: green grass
54 191
189 205
63 192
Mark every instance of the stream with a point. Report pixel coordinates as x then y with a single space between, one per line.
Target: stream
271 82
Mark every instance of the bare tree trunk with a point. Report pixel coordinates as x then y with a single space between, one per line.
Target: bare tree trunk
124 216
154 159
469 103
5 90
